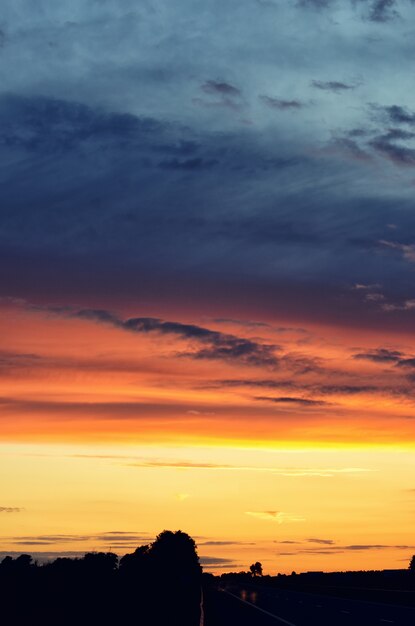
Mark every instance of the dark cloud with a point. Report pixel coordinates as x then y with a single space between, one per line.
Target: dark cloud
409 363
328 542
225 94
380 355
332 85
386 145
133 192
115 538
225 543
374 10
304 402
218 345
280 104
220 87
382 10
324 389
214 560
351 147
349 390
11 360
317 4
55 126
332 548
362 547
399 115
270 384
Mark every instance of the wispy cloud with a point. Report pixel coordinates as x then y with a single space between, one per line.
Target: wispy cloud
288 400
11 509
280 103
113 538
380 355
280 471
214 542
216 345
407 249
332 85
275 516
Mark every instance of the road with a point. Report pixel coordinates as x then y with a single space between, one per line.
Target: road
255 606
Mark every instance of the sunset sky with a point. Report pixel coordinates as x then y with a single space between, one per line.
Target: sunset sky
207 279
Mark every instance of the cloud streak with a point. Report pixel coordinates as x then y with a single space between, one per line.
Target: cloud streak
278 517
216 345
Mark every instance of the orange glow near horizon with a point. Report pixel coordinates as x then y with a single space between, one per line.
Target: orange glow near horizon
304 461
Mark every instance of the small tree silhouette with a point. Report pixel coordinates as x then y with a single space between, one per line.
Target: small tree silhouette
256 569
412 564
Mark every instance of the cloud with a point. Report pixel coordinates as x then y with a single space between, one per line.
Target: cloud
406 305
398 154
225 543
327 542
382 10
218 345
399 115
332 548
215 561
304 402
267 383
227 95
11 509
363 547
317 4
310 388
142 211
275 516
409 363
114 538
221 88
350 390
393 357
408 250
281 104
279 471
380 355
332 85
351 147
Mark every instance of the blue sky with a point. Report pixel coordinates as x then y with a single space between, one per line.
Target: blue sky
264 150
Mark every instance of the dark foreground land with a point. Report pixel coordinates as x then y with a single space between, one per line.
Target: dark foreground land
257 605
161 584
157 585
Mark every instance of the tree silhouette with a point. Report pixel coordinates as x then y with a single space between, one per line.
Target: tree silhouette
173 554
412 564
256 569
135 564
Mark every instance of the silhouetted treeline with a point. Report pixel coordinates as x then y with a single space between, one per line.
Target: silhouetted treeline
158 584
393 586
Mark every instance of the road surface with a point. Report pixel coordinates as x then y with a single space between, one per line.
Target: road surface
255 606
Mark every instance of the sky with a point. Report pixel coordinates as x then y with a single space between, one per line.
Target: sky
207 299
